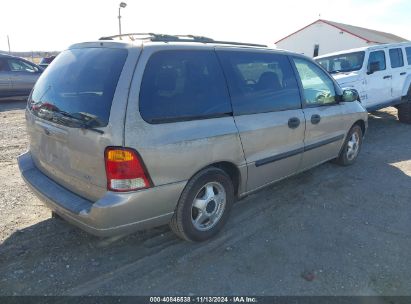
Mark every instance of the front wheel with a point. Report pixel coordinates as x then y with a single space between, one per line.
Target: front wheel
204 205
351 147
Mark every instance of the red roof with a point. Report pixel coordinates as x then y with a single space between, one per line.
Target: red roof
363 33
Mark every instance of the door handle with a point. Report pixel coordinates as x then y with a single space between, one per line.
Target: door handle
315 119
403 73
293 122
387 76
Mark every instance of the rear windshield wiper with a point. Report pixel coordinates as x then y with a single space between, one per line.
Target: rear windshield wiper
82 124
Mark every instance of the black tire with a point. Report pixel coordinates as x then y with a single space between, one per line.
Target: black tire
404 112
55 215
344 159
182 220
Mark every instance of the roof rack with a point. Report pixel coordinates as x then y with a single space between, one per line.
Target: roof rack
176 38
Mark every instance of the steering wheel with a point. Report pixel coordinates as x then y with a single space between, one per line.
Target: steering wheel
322 97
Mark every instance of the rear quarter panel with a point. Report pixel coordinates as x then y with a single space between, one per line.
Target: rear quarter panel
407 83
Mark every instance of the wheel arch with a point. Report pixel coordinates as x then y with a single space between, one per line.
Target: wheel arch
360 123
230 169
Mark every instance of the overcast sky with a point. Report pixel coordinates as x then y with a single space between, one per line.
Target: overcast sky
55 24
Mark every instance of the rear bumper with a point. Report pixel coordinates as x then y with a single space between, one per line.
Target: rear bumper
114 213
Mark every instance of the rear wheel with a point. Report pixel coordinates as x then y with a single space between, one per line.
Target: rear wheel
204 205
404 112
351 147
404 109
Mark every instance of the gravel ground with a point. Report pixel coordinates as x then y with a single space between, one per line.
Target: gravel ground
329 231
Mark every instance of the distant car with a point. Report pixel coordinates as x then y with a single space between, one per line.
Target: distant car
44 62
17 76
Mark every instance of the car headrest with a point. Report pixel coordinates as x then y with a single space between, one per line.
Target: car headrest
268 80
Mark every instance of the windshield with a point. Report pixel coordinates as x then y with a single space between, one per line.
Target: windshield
342 63
78 88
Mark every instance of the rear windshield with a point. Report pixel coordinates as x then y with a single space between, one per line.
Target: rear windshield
78 88
342 63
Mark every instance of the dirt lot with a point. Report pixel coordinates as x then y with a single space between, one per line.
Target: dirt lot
329 231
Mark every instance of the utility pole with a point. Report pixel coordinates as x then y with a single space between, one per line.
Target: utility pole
8 42
119 21
122 5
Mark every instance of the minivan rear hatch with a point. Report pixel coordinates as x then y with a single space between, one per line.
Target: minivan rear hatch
69 117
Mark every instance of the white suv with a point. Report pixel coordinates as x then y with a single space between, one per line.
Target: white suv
381 74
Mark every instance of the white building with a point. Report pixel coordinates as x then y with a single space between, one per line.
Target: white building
323 36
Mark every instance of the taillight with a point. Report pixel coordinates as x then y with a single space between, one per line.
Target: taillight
125 170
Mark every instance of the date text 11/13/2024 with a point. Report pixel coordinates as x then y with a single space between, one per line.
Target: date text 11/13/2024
199 299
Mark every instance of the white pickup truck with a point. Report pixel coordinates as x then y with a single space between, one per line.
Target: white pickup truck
381 74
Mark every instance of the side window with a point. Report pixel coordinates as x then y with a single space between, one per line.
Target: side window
396 58
408 52
183 85
318 87
21 66
376 61
260 82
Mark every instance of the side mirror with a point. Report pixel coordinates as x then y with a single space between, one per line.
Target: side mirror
350 95
374 66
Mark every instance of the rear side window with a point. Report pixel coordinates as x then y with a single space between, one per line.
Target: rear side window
260 82
408 51
376 61
396 58
78 88
183 85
